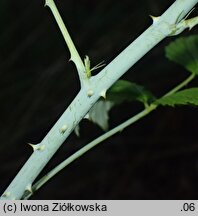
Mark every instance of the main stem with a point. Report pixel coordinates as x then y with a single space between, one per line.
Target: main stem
87 97
88 147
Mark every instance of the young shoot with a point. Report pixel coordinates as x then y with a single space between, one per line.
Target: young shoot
88 68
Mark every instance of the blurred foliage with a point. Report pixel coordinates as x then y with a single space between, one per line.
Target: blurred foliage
99 113
124 90
120 92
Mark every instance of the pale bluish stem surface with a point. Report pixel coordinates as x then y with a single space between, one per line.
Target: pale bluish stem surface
89 146
103 137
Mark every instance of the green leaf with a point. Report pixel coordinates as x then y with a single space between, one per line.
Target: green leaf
184 97
99 113
184 51
124 90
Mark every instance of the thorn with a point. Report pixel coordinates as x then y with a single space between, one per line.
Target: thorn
29 188
70 59
63 129
6 194
37 147
41 147
90 92
155 19
103 94
190 28
87 116
46 3
77 130
120 131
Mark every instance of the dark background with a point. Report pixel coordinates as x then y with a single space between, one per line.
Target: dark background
156 158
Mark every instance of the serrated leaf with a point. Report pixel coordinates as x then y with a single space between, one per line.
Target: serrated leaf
184 97
99 113
184 51
124 90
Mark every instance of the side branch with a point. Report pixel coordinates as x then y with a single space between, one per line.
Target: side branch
75 57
